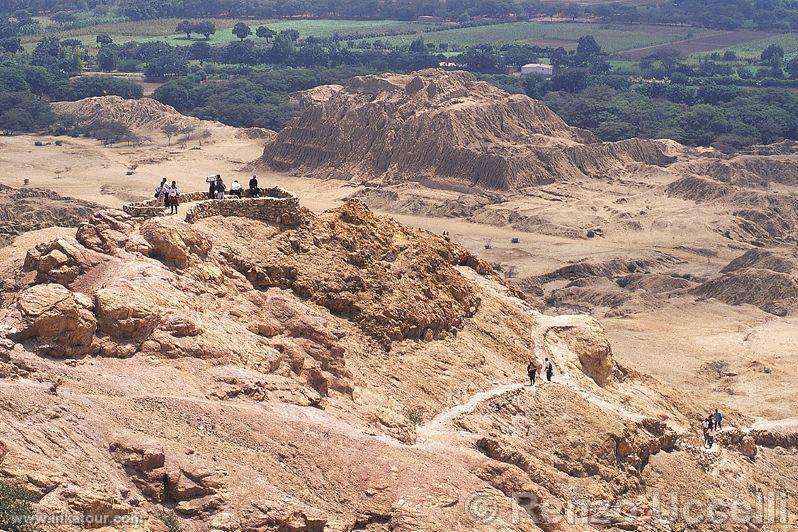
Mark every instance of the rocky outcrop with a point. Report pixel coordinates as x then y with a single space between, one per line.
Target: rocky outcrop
193 489
60 261
592 349
61 322
446 128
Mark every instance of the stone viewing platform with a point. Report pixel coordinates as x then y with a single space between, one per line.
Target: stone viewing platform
275 205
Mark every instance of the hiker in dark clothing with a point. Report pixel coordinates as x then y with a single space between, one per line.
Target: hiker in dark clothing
219 188
718 419
549 369
212 188
532 371
254 191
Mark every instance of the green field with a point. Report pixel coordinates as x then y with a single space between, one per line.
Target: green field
164 29
753 49
611 37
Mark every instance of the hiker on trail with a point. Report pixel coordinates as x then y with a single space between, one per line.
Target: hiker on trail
174 198
532 371
161 191
254 191
705 428
711 437
718 419
549 369
235 189
211 180
219 188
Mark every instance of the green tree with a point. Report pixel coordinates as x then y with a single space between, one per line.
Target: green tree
206 28
241 30
167 66
292 34
38 80
106 59
170 130
265 33
185 26
283 48
773 55
729 55
587 46
23 17
792 68
481 59
571 80
11 45
573 10
668 57
104 39
15 120
536 85
175 93
200 51
109 131
418 46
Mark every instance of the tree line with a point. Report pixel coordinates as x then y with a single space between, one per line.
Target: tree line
729 103
780 15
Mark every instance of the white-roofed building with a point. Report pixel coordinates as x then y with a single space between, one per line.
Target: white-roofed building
537 68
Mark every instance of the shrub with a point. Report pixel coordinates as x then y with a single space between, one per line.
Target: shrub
16 513
415 416
170 521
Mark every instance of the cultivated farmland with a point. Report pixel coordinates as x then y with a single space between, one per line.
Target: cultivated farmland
707 42
611 37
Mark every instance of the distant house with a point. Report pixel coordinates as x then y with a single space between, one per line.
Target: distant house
537 68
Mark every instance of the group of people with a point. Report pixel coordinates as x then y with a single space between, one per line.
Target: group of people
535 366
712 424
217 188
168 195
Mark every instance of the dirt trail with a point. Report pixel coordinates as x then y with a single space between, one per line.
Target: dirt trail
439 423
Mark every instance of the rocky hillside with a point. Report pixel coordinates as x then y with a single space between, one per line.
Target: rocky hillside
446 128
27 209
348 373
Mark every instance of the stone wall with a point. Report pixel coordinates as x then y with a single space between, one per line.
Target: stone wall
275 205
152 207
